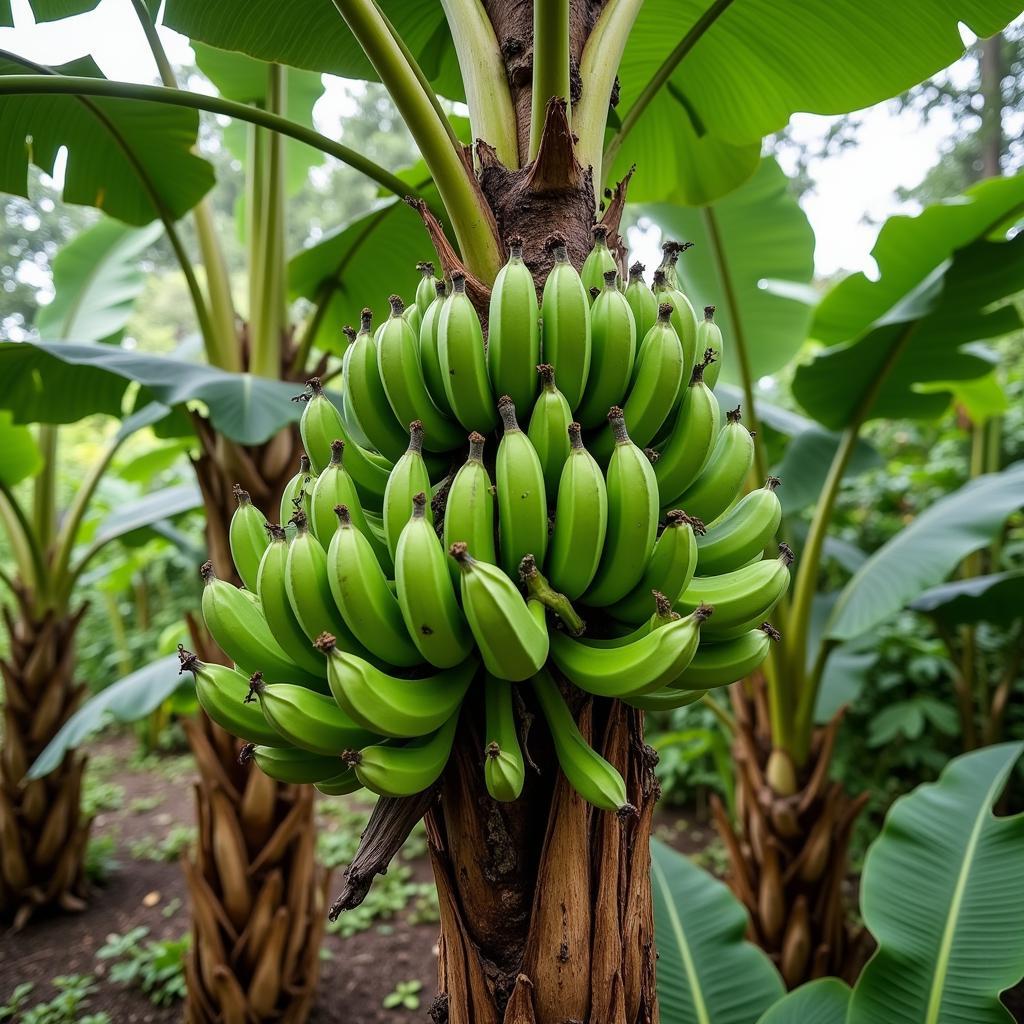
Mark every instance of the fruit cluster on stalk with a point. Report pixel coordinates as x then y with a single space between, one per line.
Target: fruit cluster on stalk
596 536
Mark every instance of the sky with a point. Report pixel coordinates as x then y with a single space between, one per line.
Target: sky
854 191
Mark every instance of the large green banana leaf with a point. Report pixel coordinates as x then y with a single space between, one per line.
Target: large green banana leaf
927 551
941 893
997 597
756 233
19 454
824 1001
51 10
132 159
707 972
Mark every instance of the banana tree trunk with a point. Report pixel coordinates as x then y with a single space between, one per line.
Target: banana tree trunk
43 833
789 855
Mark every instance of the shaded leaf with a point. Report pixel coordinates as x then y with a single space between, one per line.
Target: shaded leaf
20 457
48 10
846 671
806 462
941 894
699 929
166 503
824 1001
998 597
926 551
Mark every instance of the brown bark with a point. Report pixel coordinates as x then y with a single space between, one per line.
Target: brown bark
43 833
789 855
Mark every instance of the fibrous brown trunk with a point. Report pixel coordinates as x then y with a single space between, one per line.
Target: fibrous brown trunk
789 855
43 833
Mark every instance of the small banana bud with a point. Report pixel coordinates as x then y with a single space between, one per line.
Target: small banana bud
206 573
770 631
416 436
365 320
677 517
618 423
299 521
665 312
325 643
304 463
351 758
786 555
439 289
337 451
507 412
555 245
492 750
515 247
460 552
458 282
256 686
242 497
599 234
343 514
703 612
350 332
274 532
396 304
315 386
636 272
611 279
772 483
419 505
547 376
245 754
575 435
733 415
663 607
189 661
594 292
426 268
476 447
709 313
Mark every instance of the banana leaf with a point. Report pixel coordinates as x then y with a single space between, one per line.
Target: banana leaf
997 597
824 1001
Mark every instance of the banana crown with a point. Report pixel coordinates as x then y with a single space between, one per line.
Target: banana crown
586 546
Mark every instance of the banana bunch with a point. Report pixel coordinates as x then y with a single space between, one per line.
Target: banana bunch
591 537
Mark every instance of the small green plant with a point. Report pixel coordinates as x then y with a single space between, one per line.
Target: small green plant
391 894
73 992
171 847
155 967
142 804
100 859
404 997
100 795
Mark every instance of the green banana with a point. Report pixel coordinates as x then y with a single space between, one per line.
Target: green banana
427 286
238 628
398 360
683 318
665 700
306 719
721 664
613 334
293 765
632 519
469 511
430 357
272 588
741 598
742 533
504 767
691 440
221 693
512 634
662 616
397 771
361 592
426 596
366 396
413 317
309 589
321 424
643 666
549 423
463 358
721 479
247 537
342 784
522 501
565 312
297 491
599 261
400 708
409 477
669 569
581 520
513 332
641 300
594 778
709 336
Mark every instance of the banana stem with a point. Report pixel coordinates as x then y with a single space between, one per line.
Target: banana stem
725 720
550 63
44 487
539 589
31 567
470 219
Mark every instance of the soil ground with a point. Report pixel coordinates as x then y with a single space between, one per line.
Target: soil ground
143 811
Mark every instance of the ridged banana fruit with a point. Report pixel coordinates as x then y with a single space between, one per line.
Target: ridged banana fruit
297 491
309 589
306 719
548 429
646 665
613 337
272 590
365 394
513 331
460 342
430 357
632 519
426 595
293 765
512 634
565 312
504 767
709 336
408 478
721 479
721 664
321 424
361 592
343 784
247 537
398 359
594 778
396 771
581 521
389 706
469 511
663 614
742 533
522 501
426 288
683 318
741 598
641 300
689 445
599 261
221 692
239 629
669 570
666 700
